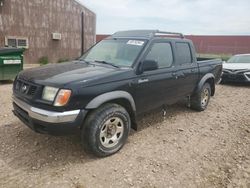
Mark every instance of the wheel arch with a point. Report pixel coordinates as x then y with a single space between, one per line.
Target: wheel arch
208 78
122 98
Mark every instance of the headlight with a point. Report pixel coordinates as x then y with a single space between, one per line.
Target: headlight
49 93
62 97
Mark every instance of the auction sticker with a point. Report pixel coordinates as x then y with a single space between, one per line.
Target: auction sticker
11 62
135 42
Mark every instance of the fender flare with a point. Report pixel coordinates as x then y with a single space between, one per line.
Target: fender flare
105 97
204 80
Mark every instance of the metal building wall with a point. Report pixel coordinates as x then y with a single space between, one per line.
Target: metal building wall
221 44
38 19
214 44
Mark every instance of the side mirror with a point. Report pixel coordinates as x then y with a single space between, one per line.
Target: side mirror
149 65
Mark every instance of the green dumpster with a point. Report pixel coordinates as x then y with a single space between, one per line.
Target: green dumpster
11 62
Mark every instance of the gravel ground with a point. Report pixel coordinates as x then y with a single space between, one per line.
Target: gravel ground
182 149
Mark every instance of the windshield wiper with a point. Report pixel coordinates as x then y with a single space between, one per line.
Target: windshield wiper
107 63
82 60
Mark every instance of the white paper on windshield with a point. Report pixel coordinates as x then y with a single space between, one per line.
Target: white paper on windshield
135 42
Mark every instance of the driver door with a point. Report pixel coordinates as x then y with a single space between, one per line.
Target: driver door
157 87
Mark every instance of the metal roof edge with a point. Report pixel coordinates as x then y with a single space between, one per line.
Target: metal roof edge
85 7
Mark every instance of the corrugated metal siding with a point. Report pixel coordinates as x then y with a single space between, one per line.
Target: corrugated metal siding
221 44
38 19
215 44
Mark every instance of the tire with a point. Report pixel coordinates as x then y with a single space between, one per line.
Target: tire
106 130
200 100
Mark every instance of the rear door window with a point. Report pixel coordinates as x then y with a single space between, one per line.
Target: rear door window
183 53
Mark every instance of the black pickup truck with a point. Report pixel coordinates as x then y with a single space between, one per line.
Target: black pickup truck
101 94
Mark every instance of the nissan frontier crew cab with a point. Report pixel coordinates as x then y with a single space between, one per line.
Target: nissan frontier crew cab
101 94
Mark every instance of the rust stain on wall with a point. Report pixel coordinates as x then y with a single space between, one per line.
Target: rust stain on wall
36 20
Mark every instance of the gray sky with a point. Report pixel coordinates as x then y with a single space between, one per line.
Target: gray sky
205 17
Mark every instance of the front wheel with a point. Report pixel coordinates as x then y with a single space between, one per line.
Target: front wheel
200 100
106 130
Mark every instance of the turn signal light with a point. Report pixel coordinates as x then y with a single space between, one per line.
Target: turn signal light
62 97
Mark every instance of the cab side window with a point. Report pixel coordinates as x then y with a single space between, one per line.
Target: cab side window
162 54
183 53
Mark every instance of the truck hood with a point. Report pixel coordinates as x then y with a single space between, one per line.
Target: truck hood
236 66
64 73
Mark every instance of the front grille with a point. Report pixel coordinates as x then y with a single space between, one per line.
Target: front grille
32 90
234 77
25 88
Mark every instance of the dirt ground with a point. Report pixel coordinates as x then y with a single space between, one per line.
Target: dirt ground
183 149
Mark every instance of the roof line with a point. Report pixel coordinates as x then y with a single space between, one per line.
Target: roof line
80 3
146 34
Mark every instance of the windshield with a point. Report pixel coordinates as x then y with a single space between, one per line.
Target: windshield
239 59
119 52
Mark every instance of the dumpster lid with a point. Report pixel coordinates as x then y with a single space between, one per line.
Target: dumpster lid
10 50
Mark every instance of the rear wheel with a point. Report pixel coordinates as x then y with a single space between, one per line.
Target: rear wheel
200 100
106 130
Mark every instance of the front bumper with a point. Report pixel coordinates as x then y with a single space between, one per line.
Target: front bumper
48 122
236 77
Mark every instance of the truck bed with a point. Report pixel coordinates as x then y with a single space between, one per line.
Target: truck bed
211 65
207 60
